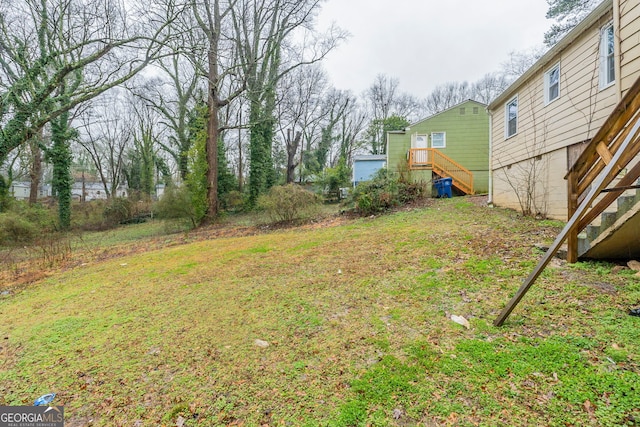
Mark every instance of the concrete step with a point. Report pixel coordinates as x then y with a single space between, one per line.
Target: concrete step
601 241
608 218
592 231
625 203
584 245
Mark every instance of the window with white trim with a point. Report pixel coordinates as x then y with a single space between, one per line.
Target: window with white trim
552 84
438 140
511 117
607 56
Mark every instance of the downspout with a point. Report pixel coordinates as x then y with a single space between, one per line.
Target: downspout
490 198
353 175
617 49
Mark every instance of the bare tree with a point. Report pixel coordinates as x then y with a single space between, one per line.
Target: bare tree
447 95
489 87
105 135
526 177
385 100
351 127
382 95
300 109
268 52
520 61
292 143
84 47
175 94
335 107
35 165
211 17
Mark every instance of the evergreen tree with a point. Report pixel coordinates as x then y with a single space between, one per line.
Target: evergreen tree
381 127
567 14
4 194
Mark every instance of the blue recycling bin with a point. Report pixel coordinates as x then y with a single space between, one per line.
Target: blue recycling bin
443 187
437 184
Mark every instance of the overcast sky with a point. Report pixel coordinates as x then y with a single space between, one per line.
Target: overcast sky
425 43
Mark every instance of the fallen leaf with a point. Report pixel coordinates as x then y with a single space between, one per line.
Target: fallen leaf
591 410
261 343
460 320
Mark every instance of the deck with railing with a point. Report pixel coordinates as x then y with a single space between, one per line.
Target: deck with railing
434 159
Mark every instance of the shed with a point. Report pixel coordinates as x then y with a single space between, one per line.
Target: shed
366 166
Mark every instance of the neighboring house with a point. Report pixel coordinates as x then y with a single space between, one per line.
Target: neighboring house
92 190
453 143
366 166
20 190
543 121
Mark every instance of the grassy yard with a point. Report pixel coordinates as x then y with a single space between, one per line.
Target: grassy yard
343 325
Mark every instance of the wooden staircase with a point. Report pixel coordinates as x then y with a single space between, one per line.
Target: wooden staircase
594 183
444 166
610 151
617 236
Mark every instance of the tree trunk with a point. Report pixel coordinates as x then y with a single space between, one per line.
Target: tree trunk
259 154
240 171
35 172
61 159
211 146
292 149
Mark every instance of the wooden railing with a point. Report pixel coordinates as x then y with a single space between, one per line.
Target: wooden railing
614 146
431 158
617 133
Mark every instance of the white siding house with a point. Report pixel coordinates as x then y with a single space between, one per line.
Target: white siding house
540 123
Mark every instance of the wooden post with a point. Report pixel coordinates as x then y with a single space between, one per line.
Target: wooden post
572 206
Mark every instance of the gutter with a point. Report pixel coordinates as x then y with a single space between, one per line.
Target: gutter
490 199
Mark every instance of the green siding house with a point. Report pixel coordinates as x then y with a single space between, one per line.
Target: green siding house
451 144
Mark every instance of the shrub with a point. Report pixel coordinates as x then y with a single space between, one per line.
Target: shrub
16 229
176 204
377 195
88 215
334 178
384 192
43 217
289 202
410 191
118 210
233 201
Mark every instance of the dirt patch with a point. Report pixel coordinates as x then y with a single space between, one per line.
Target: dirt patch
480 200
8 355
